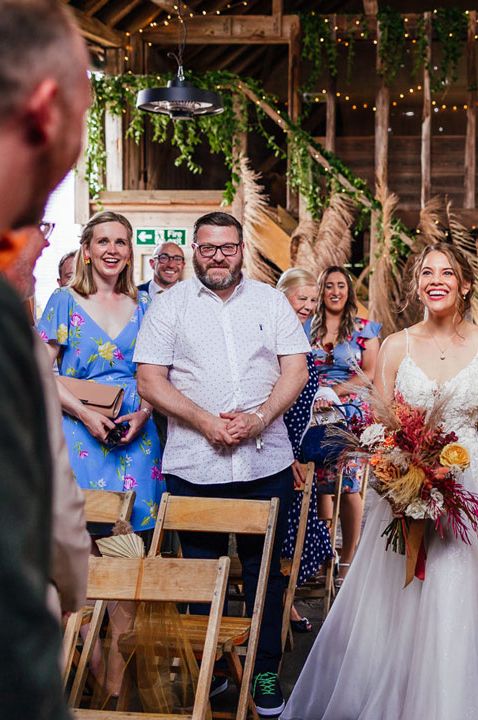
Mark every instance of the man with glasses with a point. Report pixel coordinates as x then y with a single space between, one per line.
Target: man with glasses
224 357
168 267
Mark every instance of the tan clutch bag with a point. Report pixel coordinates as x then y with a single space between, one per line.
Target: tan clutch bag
105 399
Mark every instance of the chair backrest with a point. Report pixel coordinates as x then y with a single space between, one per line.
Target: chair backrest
196 514
251 517
158 579
107 506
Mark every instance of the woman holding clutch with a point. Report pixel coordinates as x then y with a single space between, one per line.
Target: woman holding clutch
91 327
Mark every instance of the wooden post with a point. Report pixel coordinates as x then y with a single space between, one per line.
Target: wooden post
426 158
293 101
470 142
134 165
382 114
240 149
331 104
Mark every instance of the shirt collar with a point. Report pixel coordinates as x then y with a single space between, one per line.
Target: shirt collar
200 288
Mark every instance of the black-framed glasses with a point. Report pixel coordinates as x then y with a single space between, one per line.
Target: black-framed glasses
164 258
209 251
46 228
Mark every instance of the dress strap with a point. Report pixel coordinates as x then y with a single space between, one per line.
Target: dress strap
407 341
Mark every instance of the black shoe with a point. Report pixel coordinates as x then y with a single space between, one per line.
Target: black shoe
219 684
267 694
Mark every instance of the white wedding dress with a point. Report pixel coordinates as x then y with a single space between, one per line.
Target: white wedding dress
387 652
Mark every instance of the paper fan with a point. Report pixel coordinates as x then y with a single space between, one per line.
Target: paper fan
130 545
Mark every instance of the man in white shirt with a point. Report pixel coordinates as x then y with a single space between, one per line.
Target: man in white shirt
224 357
168 267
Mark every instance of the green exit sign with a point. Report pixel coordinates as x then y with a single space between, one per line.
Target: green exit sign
155 236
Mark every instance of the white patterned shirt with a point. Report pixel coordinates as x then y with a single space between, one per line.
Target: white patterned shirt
224 356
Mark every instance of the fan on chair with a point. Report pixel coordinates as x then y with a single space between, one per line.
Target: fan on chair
122 543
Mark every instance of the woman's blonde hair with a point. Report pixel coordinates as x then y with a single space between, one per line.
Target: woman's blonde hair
460 265
295 277
83 281
349 313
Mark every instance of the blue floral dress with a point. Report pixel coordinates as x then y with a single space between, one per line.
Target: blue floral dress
345 356
317 548
87 352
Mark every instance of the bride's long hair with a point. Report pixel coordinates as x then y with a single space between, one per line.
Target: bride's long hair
460 266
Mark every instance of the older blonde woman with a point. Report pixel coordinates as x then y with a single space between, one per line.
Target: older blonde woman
300 288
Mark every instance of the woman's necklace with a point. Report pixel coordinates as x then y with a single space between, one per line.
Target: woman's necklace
442 350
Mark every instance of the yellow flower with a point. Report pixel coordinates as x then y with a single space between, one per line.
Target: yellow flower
455 454
62 334
106 350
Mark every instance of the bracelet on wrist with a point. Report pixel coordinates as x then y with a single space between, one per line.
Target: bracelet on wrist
147 411
261 417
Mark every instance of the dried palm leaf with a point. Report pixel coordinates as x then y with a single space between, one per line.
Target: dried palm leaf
430 224
254 218
334 240
465 242
130 545
302 245
385 282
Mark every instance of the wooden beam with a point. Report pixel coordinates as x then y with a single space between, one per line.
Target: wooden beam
426 156
470 142
134 166
370 7
93 6
142 19
229 29
116 11
97 31
331 104
278 7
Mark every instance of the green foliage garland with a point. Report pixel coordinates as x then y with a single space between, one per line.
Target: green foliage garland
392 43
450 27
318 47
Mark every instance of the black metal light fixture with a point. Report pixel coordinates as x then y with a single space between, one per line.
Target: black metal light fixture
181 100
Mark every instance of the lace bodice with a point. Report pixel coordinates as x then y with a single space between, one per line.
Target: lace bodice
461 415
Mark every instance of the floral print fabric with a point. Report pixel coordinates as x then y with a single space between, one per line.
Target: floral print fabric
87 352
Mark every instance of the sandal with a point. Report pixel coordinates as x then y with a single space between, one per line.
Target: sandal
301 626
339 581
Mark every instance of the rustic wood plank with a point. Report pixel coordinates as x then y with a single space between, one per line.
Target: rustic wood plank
117 10
219 515
93 6
425 155
370 7
230 29
162 198
470 141
93 29
331 104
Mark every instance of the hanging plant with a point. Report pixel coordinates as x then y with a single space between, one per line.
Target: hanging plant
392 43
450 26
318 47
420 48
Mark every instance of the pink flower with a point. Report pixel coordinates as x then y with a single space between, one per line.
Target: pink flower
77 320
118 355
156 473
83 454
44 336
129 483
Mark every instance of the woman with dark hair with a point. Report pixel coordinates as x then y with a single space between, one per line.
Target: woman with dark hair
342 342
398 653
91 328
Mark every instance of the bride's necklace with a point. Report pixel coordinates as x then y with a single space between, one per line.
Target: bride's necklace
442 350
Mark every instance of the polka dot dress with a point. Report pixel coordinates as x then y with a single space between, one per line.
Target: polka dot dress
317 547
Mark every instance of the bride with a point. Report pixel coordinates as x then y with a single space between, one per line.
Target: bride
386 652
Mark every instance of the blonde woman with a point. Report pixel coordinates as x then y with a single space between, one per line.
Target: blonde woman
91 328
300 288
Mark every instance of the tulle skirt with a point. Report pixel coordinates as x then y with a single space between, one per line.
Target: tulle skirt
387 652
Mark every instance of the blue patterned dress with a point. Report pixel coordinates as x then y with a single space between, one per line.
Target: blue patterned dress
88 352
346 356
317 548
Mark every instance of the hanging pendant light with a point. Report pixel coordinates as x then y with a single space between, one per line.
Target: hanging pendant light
181 100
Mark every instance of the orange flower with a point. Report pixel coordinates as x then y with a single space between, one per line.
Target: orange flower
389 441
375 459
455 454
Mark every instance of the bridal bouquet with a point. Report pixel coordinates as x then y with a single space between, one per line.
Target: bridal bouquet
416 466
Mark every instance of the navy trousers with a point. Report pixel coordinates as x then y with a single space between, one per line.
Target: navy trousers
249 547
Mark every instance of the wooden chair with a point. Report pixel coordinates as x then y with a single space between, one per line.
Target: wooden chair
101 506
155 579
328 592
254 517
291 569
